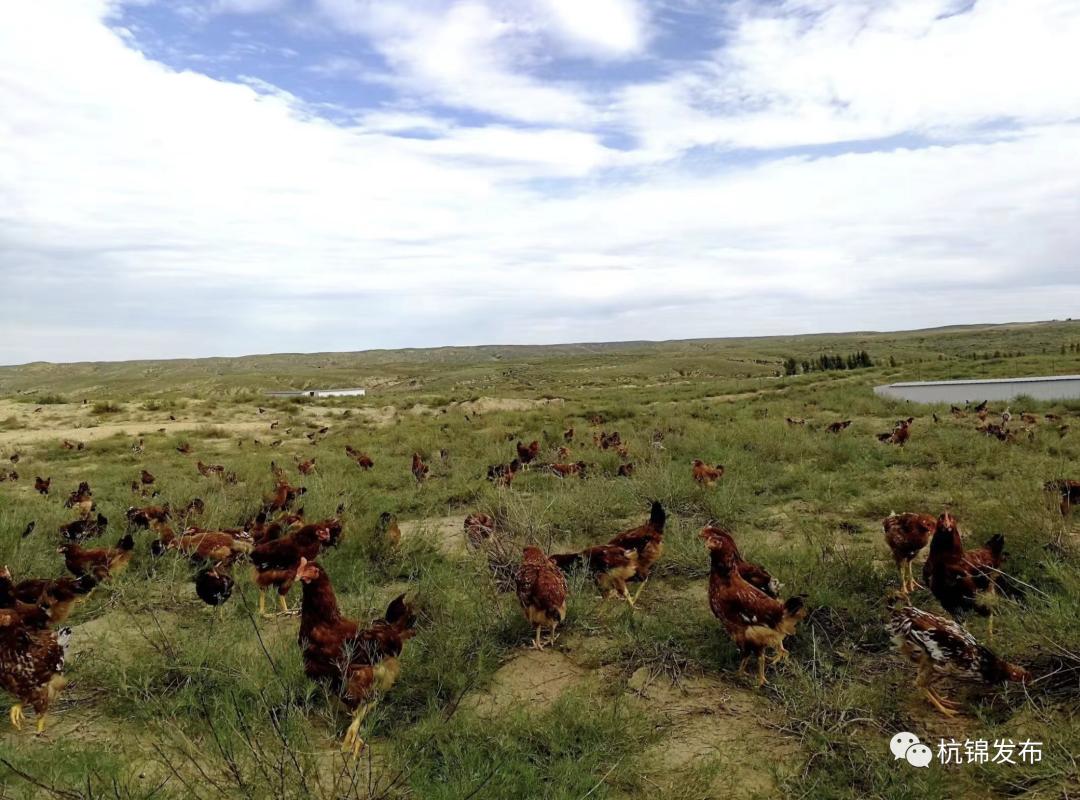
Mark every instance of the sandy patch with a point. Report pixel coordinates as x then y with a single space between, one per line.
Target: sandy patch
133 429
483 405
708 722
446 533
532 680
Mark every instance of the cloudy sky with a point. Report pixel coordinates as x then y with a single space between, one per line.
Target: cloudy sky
215 177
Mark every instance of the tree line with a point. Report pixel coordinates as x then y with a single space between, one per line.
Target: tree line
828 361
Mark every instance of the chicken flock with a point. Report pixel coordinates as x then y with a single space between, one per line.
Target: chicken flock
359 662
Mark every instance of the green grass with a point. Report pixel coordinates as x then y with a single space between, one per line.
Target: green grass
171 699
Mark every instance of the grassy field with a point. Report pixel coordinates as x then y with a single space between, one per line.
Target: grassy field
169 698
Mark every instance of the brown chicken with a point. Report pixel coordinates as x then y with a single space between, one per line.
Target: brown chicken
754 574
82 500
836 427
146 478
387 530
568 435
306 467
795 420
610 566
611 440
625 470
960 579
647 541
478 529
704 474
1069 492
184 448
356 665
283 496
147 516
503 474
209 546
101 562
41 485
16 613
84 528
906 534
566 470
899 435
206 470
57 595
541 590
525 455
755 621
419 468
275 562
362 459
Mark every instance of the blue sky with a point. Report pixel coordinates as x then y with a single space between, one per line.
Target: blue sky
220 177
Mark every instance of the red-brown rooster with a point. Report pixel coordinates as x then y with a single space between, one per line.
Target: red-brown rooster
755 621
419 468
961 579
275 562
1069 492
647 541
704 474
526 454
541 589
356 665
754 574
610 566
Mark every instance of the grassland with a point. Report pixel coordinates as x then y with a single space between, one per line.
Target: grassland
172 699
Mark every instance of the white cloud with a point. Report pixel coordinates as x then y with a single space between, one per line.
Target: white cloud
247 6
146 211
462 54
819 71
604 28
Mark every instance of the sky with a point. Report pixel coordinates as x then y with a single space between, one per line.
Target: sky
187 178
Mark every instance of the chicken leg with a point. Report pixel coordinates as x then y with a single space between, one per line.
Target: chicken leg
781 654
352 741
922 682
912 583
903 578
17 716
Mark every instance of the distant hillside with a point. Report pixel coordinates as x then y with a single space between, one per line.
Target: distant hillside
940 352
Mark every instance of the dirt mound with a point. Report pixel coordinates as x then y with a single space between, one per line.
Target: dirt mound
483 405
715 734
446 533
532 680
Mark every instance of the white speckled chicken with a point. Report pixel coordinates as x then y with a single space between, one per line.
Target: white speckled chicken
940 646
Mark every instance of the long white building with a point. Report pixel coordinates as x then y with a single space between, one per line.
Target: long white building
1050 387
320 393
